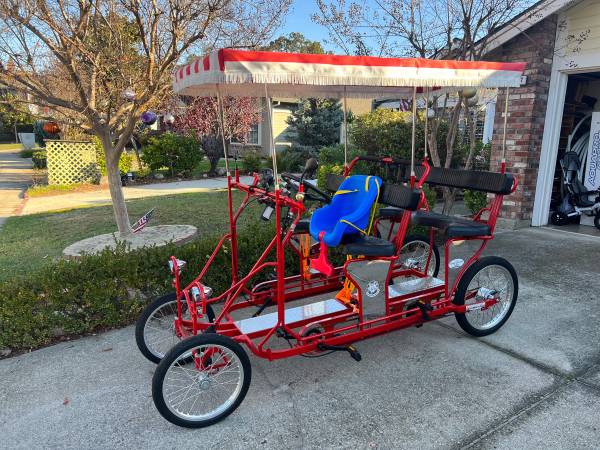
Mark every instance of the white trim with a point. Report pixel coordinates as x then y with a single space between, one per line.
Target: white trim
549 151
515 27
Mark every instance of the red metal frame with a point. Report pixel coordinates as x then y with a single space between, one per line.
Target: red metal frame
343 327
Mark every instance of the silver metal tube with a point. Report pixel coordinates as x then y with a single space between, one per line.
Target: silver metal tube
271 141
222 125
426 118
345 131
504 129
414 124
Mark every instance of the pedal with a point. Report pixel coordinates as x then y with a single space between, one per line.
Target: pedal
352 351
425 309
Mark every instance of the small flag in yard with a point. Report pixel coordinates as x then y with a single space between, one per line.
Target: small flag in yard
140 224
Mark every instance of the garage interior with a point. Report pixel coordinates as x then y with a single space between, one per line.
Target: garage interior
581 102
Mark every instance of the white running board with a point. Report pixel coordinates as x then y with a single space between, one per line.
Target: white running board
413 285
292 315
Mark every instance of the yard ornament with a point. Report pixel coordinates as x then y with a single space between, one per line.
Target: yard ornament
149 117
169 119
129 94
51 128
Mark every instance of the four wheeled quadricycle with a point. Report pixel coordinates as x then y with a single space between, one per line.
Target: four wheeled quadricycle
384 279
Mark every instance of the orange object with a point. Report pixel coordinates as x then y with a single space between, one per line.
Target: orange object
51 128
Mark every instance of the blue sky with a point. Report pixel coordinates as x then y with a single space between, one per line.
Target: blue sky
299 20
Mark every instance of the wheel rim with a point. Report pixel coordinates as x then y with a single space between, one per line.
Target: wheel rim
495 281
203 382
159 330
413 255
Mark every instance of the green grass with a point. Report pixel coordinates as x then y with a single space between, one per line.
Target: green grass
42 189
204 166
30 242
11 146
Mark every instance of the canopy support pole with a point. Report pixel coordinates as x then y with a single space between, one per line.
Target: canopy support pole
232 224
412 146
271 141
345 131
222 125
426 117
503 162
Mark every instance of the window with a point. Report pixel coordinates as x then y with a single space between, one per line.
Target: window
253 137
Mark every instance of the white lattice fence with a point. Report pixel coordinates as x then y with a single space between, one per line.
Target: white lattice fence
72 162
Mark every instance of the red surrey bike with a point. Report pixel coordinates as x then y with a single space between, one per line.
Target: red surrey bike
388 281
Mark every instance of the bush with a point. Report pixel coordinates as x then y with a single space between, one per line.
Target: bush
325 170
26 153
180 154
475 200
125 160
109 290
252 161
39 159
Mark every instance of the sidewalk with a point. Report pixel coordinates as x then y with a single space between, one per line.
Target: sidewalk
535 384
15 176
85 199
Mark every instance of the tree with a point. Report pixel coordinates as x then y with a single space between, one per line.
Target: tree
294 43
316 122
98 64
201 118
449 29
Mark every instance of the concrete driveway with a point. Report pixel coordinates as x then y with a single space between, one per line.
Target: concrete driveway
534 384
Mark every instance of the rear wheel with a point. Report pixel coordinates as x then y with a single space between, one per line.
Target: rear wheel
490 277
597 220
559 218
201 380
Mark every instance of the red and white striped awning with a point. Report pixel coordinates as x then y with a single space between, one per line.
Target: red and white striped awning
245 73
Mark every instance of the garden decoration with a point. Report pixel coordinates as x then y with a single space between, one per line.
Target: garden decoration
148 117
383 285
51 128
142 221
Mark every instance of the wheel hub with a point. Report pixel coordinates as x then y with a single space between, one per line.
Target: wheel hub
204 382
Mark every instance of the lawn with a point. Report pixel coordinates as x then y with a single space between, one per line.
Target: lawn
30 242
10 147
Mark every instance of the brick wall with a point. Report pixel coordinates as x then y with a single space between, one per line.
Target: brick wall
527 112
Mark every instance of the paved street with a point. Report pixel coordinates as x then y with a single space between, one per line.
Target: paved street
534 384
15 176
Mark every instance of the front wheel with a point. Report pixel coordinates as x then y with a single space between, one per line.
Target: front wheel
201 380
490 277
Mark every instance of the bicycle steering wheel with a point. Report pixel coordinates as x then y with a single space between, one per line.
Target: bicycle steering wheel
313 192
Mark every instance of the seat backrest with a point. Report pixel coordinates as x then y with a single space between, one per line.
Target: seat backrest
333 181
399 196
353 191
476 180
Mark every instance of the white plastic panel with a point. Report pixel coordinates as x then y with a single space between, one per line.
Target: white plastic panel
413 285
292 315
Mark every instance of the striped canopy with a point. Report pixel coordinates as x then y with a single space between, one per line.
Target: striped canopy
247 73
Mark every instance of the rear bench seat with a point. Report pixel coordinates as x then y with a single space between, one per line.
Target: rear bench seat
492 182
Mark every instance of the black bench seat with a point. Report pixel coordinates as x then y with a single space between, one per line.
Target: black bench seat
368 246
391 212
451 226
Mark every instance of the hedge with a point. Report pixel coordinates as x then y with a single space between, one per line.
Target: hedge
110 289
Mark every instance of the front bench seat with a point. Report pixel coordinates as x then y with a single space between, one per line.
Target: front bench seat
451 226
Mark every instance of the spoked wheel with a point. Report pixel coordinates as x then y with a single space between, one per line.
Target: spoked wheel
490 277
155 328
414 254
201 380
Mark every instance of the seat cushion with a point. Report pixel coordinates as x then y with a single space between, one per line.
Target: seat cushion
369 246
391 212
451 226
302 226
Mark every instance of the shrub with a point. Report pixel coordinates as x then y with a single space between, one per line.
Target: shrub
125 160
26 153
39 159
180 154
475 200
108 290
326 169
251 161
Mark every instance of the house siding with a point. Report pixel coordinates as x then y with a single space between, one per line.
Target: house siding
526 113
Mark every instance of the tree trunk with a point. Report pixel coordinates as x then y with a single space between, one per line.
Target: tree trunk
115 186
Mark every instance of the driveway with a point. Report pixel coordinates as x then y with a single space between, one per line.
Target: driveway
96 198
15 176
534 384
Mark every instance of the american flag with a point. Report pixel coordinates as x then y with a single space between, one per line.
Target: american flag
140 224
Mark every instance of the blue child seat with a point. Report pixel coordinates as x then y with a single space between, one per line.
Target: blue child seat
349 210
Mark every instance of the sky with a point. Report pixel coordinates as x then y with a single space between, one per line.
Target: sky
298 19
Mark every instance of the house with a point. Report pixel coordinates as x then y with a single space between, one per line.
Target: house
282 135
560 42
